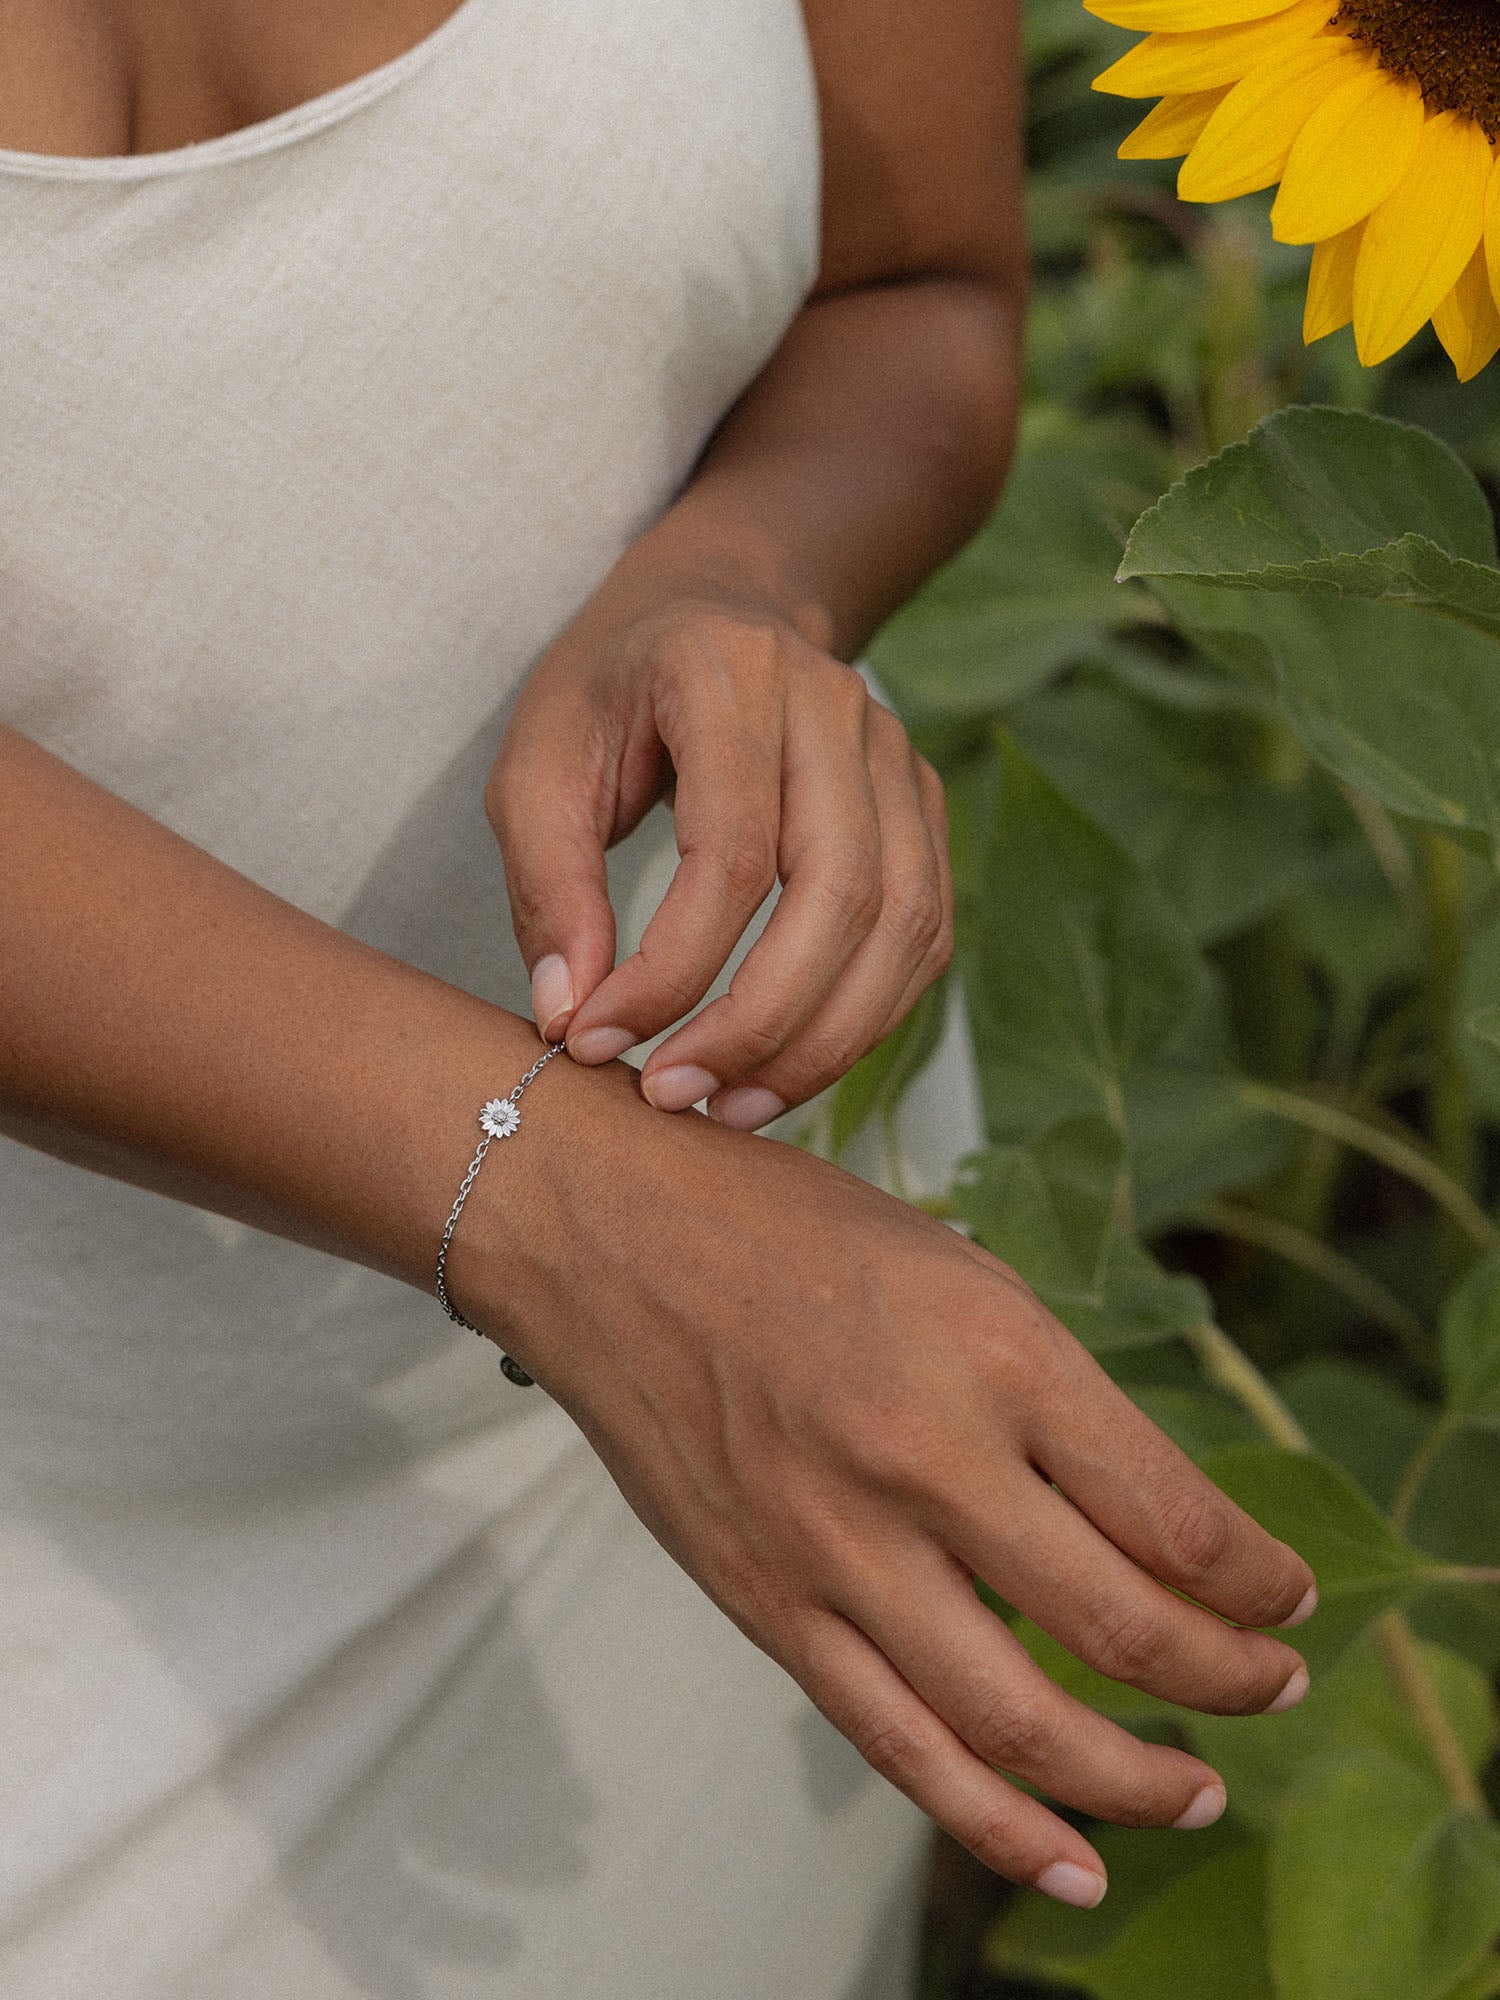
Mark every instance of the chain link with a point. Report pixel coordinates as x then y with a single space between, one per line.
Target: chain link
511 1369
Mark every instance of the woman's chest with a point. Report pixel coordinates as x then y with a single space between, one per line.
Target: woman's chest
94 78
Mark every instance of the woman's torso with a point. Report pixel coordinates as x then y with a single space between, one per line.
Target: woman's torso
314 435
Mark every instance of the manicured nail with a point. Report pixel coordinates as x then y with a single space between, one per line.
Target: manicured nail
1206 1808
1068 1883
600 1045
1291 1694
676 1088
1305 1609
746 1108
551 993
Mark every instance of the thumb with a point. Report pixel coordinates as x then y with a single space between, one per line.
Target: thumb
548 815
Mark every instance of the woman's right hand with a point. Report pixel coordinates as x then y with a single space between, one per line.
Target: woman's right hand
834 1412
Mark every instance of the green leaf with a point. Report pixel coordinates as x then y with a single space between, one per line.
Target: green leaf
1358 1418
1380 1888
1058 1211
1082 969
1347 563
1483 1983
1349 1712
1199 1422
878 1081
1203 1934
1311 488
1034 586
1361 1564
1224 845
1471 1343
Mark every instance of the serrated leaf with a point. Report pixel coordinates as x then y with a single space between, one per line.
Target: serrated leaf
1309 487
1353 564
1380 1888
1058 1211
1361 1564
1471 1343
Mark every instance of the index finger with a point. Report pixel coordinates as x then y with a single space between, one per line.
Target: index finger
1148 1497
726 814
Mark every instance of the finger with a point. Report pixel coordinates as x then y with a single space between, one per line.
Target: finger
1153 1502
894 1730
831 867
1051 1562
975 1673
551 804
726 751
903 954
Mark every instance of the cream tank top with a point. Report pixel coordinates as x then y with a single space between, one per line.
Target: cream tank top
331 1665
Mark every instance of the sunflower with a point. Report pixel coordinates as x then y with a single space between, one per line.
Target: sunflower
1380 120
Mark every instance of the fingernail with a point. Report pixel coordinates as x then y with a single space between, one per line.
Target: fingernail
676 1088
1305 1609
600 1045
1066 1882
1207 1806
1291 1694
747 1107
551 993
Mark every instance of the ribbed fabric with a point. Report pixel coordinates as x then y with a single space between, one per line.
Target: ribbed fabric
333 1667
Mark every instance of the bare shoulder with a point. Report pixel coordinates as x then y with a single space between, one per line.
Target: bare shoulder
921 109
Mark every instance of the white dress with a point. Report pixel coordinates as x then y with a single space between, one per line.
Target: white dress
333 1666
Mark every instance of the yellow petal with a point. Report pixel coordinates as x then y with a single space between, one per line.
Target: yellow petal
1172 127
1175 15
1418 241
1246 142
1492 228
1349 156
1169 65
1330 285
1468 320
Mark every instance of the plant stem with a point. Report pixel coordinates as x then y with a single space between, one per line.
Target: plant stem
1397 1645
1479 1573
1454 1136
1421 1462
1228 1364
1402 1156
1231 1367
1285 1239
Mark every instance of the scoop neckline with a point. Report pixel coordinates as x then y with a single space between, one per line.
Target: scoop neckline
261 137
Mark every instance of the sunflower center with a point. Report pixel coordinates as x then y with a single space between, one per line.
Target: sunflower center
1449 48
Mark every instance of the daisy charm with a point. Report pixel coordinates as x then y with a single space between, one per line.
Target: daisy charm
499 1117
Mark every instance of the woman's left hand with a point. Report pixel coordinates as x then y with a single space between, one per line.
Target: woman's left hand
779 764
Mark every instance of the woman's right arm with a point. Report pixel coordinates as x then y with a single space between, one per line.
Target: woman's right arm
830 1409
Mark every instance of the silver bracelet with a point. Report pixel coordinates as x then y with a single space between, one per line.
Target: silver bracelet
499 1119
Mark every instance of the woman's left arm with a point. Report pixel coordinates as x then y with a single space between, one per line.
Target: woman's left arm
869 449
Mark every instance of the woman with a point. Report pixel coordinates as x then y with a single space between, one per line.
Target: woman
363 363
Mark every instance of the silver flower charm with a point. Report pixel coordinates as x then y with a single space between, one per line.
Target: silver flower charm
499 1117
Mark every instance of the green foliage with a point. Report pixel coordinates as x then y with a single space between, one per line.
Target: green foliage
1226 836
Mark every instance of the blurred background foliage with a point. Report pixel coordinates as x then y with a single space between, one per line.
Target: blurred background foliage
1230 947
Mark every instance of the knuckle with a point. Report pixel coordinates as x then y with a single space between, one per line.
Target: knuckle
1014 1736
1197 1528
889 1747
1127 1643
747 860
852 891
940 951
992 1838
1137 1802
913 915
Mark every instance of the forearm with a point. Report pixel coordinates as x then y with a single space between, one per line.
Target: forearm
165 1021
870 448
